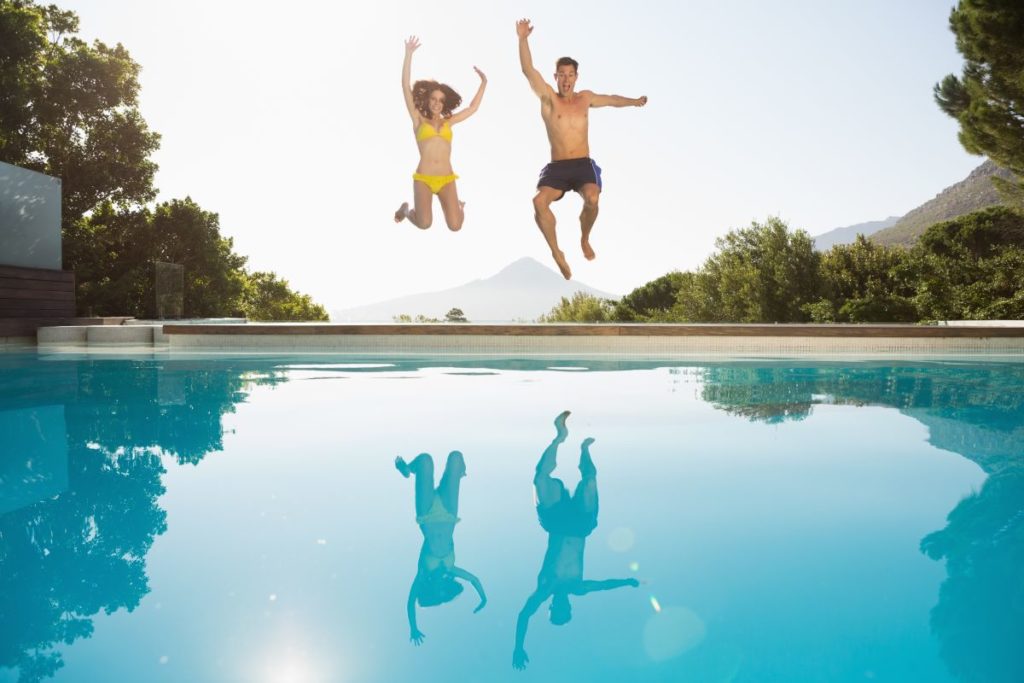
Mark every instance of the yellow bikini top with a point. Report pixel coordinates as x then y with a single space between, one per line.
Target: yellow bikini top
426 130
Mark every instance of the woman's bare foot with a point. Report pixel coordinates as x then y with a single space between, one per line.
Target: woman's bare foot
401 215
402 466
563 265
588 251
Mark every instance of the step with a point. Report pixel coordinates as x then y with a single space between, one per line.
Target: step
101 335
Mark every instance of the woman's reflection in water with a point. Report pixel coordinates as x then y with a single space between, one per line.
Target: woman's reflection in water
568 521
436 513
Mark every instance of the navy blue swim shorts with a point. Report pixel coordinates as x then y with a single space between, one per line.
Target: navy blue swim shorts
570 174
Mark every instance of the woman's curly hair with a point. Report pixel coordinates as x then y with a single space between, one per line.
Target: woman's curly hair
436 590
421 97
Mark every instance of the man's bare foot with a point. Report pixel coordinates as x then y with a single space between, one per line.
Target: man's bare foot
587 468
588 251
402 466
457 462
401 215
560 427
562 264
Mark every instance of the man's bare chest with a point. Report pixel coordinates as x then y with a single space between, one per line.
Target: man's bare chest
568 115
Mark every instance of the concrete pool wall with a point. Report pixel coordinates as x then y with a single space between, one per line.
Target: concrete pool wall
545 339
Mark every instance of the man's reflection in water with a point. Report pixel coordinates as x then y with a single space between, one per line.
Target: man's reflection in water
436 513
568 521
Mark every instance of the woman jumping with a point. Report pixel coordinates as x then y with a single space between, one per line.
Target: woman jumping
430 106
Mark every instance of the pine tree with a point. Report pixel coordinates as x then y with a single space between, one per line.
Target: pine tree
988 100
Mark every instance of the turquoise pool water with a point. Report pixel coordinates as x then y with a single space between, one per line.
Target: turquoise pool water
190 518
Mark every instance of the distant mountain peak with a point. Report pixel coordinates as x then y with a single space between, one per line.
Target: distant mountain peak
523 262
523 268
848 234
522 290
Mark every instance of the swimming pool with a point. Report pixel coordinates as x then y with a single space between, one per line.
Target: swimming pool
181 517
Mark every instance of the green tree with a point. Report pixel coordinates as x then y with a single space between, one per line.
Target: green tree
267 297
184 233
864 282
761 274
119 247
988 100
654 301
455 316
22 40
70 109
581 308
972 267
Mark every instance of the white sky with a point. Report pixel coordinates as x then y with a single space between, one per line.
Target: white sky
287 119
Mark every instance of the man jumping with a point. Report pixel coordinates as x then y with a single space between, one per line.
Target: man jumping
565 115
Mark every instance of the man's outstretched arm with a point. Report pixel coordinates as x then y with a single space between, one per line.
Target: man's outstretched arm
523 30
519 656
589 586
616 101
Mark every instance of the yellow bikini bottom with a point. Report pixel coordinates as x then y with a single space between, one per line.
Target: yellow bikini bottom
435 182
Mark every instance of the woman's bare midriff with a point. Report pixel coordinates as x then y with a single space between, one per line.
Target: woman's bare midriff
435 157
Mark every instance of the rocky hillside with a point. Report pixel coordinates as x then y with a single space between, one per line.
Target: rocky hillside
974 192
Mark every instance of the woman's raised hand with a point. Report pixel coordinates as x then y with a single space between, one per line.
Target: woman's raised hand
411 44
483 78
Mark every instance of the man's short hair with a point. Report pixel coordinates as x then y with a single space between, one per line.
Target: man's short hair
567 61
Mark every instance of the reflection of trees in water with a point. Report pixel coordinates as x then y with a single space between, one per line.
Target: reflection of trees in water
974 410
65 559
979 619
991 394
176 407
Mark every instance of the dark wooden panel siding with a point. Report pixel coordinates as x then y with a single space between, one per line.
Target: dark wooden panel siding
37 274
34 297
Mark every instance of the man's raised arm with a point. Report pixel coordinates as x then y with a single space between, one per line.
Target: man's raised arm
523 30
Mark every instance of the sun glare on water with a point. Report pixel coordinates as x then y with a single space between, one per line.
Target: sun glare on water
293 668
